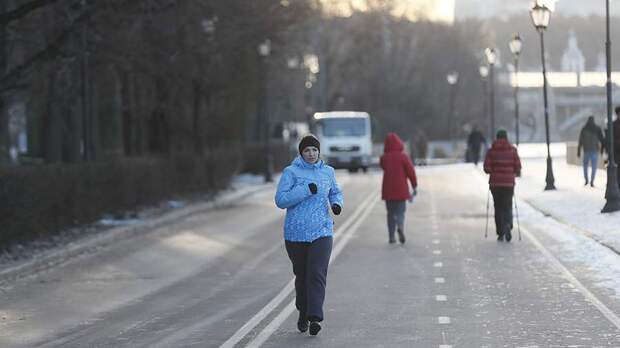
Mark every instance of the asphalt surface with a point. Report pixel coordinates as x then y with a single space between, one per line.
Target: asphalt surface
219 278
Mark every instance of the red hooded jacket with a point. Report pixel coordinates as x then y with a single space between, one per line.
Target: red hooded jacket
503 163
397 167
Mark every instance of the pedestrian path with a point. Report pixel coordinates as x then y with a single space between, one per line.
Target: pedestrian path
448 286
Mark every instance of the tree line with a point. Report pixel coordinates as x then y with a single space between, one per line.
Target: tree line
86 80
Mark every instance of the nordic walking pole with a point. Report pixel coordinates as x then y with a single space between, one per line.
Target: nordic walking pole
517 213
486 227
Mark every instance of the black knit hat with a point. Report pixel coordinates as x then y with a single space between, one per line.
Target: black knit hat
309 140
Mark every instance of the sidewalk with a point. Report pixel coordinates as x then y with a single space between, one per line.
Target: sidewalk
572 203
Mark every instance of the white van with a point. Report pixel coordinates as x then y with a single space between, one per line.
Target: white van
345 137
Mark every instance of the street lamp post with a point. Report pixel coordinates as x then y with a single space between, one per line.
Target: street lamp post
540 17
612 193
484 73
452 78
515 47
491 56
264 50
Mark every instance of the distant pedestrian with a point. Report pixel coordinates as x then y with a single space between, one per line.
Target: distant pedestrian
592 141
397 168
308 190
421 146
475 140
503 164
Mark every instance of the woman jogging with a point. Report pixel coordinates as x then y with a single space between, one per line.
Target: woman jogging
308 190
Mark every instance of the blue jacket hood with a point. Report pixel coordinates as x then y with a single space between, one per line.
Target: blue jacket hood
301 163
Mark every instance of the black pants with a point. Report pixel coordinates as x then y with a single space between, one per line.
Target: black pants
310 261
502 201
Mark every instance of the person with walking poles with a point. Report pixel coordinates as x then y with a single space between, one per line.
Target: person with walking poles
590 137
397 169
308 190
503 164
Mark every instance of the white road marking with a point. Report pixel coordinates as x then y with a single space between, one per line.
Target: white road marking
609 314
441 298
445 346
437 252
438 264
440 280
345 232
443 320
435 241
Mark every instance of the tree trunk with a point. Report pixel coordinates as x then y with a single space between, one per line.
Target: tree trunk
95 134
127 115
197 124
158 136
4 124
52 136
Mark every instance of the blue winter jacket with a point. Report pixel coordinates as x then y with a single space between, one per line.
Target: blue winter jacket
307 215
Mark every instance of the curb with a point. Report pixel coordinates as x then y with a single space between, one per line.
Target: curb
113 235
577 229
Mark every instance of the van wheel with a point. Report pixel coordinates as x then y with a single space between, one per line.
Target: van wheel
365 169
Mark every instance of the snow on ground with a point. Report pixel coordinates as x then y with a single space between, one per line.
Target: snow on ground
572 203
539 150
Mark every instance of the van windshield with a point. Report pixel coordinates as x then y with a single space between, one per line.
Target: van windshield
343 127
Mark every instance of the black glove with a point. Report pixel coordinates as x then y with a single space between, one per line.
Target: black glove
313 188
336 209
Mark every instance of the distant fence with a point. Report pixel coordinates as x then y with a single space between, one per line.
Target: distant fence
40 201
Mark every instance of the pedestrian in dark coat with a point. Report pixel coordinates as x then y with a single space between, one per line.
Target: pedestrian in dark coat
307 190
503 164
397 169
592 141
474 145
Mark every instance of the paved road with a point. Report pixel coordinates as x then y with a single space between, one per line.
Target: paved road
222 278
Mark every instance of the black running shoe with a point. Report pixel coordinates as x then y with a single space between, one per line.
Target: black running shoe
315 327
302 323
401 236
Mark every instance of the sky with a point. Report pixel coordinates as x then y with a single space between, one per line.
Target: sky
438 10
444 10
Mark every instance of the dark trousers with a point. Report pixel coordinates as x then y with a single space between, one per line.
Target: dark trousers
502 201
310 261
475 155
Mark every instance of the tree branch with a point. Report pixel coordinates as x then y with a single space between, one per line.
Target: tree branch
23 10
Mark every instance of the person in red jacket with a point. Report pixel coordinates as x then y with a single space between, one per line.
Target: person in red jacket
503 164
397 168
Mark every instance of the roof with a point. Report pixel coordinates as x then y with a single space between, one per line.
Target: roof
341 114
